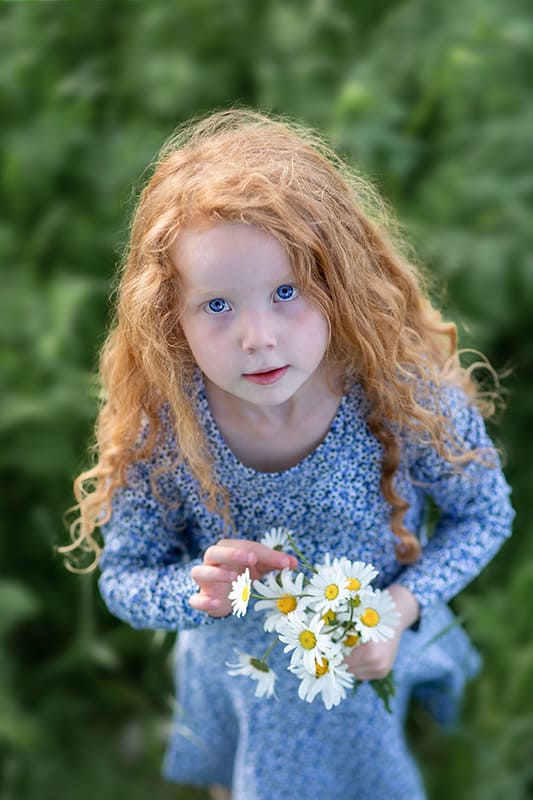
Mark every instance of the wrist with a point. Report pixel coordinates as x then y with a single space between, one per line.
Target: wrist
406 604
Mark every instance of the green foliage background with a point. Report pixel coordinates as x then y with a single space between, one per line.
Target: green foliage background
433 101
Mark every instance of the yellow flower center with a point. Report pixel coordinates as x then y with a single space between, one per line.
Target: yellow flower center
355 601
307 639
286 604
245 593
353 584
321 669
331 591
329 617
370 618
352 639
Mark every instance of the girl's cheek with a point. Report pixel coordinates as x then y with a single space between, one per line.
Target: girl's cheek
212 339
302 310
201 327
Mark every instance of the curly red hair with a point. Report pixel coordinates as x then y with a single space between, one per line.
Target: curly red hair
239 165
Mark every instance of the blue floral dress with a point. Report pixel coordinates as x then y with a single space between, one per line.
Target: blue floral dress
284 748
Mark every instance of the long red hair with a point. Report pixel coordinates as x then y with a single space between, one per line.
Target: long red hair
347 256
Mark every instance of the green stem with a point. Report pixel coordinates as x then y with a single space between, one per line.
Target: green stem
268 650
300 555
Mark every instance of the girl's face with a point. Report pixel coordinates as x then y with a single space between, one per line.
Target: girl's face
250 330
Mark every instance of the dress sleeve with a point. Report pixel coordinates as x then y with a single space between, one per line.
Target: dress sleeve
147 558
475 513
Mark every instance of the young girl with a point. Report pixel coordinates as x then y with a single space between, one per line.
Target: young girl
275 362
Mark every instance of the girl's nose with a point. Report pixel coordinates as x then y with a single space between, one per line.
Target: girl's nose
258 333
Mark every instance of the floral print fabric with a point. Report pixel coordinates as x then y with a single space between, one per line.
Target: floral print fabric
266 748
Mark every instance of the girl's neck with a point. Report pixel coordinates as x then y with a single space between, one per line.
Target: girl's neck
275 438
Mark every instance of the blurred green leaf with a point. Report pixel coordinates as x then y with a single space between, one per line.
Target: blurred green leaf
431 100
16 603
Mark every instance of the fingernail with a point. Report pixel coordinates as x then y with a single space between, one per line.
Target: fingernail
285 563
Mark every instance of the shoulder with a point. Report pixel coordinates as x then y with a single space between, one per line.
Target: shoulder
355 406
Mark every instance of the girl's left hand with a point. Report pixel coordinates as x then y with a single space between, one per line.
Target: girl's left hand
374 660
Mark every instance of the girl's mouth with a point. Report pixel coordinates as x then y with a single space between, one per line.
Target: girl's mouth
266 378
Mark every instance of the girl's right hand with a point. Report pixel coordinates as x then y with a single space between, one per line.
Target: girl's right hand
223 563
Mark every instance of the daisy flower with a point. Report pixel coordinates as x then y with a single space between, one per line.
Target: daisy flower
257 670
330 679
330 618
327 589
240 593
377 617
303 635
281 593
276 538
351 639
358 574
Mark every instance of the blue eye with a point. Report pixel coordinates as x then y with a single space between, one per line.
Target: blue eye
217 306
285 292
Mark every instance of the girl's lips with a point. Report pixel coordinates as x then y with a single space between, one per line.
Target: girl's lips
266 378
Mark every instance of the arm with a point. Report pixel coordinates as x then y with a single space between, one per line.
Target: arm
475 520
149 578
475 511
147 559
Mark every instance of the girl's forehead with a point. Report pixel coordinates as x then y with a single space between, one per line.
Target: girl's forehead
220 248
223 233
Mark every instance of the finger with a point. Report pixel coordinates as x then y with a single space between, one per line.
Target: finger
370 674
369 662
215 606
273 559
223 555
203 574
266 560
217 591
363 672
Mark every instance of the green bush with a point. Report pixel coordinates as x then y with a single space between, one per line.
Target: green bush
430 100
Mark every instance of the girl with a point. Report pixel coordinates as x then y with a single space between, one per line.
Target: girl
275 361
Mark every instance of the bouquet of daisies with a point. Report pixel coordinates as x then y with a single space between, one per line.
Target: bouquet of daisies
320 616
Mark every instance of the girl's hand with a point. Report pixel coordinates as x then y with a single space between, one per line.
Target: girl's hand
374 660
223 563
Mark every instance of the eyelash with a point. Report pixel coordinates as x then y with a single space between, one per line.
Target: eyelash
225 306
